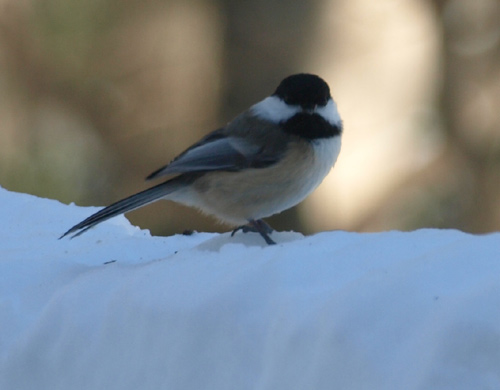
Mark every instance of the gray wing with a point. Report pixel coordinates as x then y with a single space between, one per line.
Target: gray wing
217 152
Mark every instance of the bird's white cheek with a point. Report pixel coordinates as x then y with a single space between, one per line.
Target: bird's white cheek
330 113
274 109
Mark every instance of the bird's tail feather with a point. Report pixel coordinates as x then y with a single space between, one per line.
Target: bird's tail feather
122 206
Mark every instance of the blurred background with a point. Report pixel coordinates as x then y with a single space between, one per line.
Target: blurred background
97 94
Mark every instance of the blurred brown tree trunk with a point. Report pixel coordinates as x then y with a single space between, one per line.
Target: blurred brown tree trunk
470 94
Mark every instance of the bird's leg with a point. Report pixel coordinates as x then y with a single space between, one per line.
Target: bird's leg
254 229
261 225
264 230
257 226
244 229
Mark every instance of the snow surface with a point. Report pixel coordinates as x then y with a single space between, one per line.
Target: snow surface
119 309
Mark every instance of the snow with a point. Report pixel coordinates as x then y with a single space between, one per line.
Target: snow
118 309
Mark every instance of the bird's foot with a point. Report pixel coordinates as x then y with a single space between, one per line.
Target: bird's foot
257 226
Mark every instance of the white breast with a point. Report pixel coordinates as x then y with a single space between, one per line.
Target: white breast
326 152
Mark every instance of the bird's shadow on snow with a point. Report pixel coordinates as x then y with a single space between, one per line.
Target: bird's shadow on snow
248 240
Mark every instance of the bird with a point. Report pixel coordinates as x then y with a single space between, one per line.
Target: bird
266 160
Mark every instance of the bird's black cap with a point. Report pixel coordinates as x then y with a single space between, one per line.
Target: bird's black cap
306 90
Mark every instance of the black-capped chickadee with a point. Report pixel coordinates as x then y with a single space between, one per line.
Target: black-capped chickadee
266 160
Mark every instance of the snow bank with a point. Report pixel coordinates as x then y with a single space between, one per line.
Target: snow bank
119 309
